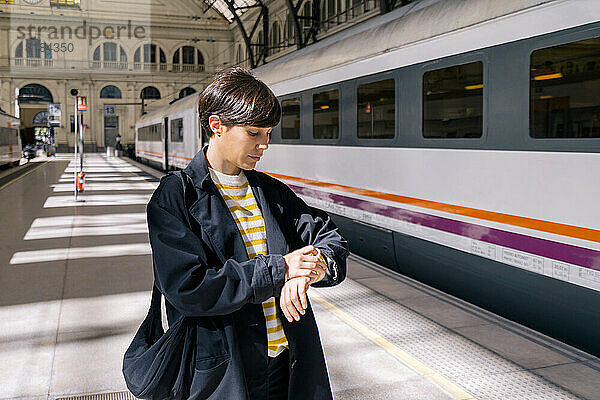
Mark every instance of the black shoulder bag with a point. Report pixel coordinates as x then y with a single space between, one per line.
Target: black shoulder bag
159 365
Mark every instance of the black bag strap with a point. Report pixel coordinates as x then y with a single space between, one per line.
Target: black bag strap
156 293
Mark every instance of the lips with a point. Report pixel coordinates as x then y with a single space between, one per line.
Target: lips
255 158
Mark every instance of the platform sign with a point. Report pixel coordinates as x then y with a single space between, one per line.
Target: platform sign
54 121
54 110
109 110
81 103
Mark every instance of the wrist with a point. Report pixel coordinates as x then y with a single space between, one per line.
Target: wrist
287 270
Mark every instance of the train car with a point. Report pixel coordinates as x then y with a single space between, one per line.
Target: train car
10 141
457 142
178 123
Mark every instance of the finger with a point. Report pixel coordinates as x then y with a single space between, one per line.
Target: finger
302 296
322 265
291 298
283 304
298 308
323 268
310 265
309 258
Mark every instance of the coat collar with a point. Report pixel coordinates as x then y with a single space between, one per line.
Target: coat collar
211 212
197 169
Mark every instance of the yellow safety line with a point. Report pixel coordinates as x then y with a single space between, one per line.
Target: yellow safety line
416 365
26 173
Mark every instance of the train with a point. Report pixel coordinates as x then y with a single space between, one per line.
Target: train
179 124
10 140
457 142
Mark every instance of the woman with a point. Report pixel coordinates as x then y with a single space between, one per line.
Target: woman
236 250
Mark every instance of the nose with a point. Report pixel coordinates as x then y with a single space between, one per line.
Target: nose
264 143
263 146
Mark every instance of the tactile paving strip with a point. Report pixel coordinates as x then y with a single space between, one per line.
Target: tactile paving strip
481 372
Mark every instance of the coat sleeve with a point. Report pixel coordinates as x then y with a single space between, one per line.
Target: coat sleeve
315 227
192 284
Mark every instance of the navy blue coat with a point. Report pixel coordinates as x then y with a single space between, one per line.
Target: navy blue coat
202 268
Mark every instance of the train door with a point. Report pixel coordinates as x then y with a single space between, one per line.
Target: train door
166 141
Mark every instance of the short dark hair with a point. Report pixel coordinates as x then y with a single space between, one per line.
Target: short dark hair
238 98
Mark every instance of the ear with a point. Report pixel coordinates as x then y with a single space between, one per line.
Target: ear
214 122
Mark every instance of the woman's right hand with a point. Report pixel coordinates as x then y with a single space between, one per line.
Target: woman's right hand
304 262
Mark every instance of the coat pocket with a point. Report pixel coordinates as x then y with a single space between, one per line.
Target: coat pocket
210 341
209 364
208 377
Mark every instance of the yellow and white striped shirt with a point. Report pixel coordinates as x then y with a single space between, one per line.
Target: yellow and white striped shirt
242 204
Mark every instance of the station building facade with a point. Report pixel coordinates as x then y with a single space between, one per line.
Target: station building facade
113 53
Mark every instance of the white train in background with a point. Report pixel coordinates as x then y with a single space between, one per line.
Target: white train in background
179 124
10 141
456 142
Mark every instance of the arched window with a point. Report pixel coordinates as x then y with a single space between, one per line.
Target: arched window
35 54
187 55
176 57
186 92
150 56
41 118
291 31
188 58
109 55
110 92
35 93
19 50
150 92
275 36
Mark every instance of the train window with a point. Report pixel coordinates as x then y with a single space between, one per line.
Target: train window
177 130
376 110
290 118
453 102
150 133
564 95
326 115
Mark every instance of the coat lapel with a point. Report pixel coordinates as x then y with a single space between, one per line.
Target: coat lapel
212 214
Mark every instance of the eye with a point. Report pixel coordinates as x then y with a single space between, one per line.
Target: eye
252 133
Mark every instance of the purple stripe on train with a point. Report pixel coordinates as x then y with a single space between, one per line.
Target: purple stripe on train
542 247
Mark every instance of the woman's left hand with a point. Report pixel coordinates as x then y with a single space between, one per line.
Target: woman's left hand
293 300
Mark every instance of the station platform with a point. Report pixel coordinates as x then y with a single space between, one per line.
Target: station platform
75 285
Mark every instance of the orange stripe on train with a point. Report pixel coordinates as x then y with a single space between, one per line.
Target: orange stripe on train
524 222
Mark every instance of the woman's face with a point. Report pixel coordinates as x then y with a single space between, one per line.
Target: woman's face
238 147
